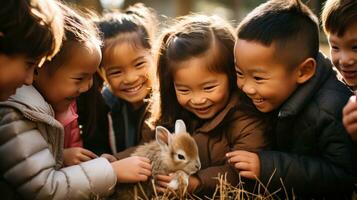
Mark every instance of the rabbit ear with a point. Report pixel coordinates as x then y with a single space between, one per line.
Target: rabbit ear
163 136
180 126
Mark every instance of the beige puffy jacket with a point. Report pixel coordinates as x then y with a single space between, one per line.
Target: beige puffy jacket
31 144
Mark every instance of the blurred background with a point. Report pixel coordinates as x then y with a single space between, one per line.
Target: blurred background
232 10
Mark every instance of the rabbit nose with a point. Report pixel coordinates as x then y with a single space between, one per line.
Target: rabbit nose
198 166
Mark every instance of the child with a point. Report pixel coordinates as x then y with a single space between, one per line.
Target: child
312 156
34 139
30 32
339 20
127 60
197 84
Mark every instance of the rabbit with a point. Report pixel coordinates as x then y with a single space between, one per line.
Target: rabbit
175 153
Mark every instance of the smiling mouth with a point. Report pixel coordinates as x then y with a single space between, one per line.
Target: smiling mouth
134 89
257 101
349 74
202 109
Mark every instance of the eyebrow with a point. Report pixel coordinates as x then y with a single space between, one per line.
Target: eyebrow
138 58
205 83
256 70
82 74
118 66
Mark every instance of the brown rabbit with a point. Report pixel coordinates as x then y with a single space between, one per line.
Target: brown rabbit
175 153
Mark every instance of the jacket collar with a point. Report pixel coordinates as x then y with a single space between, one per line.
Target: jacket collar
304 92
217 120
32 105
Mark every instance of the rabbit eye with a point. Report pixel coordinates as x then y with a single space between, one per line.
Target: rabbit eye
181 157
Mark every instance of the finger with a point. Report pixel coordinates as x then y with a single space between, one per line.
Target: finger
163 184
243 166
351 129
233 153
350 117
247 174
238 158
351 105
144 159
145 165
89 153
142 177
164 178
145 172
84 158
242 153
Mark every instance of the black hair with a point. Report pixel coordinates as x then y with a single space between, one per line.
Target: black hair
288 24
30 28
137 19
337 15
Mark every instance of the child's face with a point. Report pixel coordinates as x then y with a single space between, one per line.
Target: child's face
14 72
198 90
71 79
266 81
344 53
126 71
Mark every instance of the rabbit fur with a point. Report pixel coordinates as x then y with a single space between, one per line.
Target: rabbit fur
175 153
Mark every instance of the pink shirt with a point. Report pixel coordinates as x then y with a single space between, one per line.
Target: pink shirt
69 121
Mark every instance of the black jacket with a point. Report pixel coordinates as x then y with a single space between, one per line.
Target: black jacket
313 155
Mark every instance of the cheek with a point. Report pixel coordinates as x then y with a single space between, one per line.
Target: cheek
181 99
114 83
334 58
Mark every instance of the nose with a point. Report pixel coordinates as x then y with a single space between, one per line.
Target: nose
248 88
198 165
131 77
198 99
345 59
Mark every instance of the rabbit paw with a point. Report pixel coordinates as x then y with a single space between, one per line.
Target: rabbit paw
180 180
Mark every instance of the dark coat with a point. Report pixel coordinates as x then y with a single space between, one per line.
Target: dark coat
313 154
127 131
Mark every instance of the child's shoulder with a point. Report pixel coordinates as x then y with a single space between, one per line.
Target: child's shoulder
109 98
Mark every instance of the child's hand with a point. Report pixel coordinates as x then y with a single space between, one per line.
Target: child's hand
350 117
246 162
193 183
109 157
162 182
76 155
132 169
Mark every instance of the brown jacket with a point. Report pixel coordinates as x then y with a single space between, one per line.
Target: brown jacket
232 129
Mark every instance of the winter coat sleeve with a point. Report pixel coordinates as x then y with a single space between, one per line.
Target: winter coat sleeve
29 166
330 172
244 133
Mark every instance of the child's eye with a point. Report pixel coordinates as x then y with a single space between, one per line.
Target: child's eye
209 88
78 78
354 48
114 73
257 78
239 73
182 90
140 64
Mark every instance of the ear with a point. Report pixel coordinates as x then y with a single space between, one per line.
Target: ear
306 70
180 126
163 136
